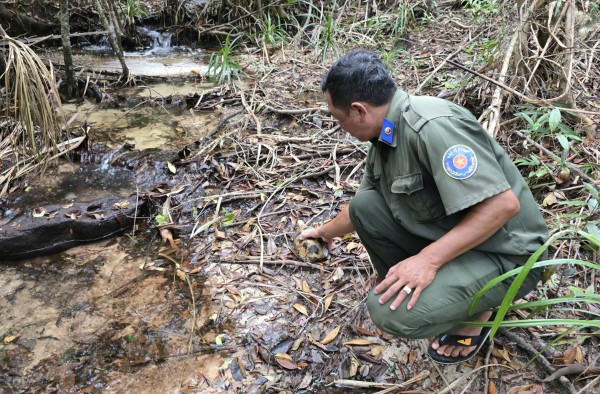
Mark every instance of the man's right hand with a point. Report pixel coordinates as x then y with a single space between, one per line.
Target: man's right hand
317 233
338 226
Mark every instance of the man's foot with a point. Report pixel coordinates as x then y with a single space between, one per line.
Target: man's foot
461 346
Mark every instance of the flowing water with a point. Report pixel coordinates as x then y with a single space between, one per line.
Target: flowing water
159 58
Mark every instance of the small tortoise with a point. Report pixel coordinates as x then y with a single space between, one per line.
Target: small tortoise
309 250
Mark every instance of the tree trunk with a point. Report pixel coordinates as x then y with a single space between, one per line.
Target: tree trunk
71 89
114 16
112 37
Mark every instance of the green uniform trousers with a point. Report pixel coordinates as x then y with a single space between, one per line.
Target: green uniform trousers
445 302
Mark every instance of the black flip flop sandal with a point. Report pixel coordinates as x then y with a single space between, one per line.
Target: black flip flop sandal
459 340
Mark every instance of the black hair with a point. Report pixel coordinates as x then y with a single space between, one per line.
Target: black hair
358 76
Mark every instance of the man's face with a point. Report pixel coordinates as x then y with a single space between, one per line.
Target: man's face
352 122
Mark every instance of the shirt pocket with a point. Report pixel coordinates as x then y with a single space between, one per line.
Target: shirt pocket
410 197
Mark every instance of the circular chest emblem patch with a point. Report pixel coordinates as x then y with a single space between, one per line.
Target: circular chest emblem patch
460 162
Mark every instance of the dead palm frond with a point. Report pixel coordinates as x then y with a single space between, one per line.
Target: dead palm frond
32 115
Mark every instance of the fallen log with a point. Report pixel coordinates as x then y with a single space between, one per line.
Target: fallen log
54 228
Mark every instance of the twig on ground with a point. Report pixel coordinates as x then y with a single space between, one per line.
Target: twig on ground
466 375
389 387
486 377
519 94
573 167
443 62
251 113
295 111
525 345
293 263
572 369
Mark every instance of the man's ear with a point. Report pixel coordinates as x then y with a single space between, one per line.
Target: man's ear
361 108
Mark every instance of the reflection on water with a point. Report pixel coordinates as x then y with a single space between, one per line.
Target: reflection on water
72 182
144 121
89 321
145 118
150 63
158 67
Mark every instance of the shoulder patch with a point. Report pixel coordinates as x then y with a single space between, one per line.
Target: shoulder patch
387 132
459 162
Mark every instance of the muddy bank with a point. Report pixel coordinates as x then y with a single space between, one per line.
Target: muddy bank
90 320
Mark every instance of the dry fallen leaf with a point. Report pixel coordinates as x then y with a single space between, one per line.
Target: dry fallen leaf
285 361
305 287
38 212
297 343
329 348
574 354
359 342
331 335
354 364
520 389
364 370
298 282
351 246
219 339
363 331
550 199
121 205
11 338
171 167
166 235
237 371
377 350
301 308
492 388
501 354
271 248
328 300
306 381
337 274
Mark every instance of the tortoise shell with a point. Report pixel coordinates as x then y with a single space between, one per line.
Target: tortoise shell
309 250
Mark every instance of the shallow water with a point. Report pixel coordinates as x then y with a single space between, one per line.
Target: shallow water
140 124
147 124
150 62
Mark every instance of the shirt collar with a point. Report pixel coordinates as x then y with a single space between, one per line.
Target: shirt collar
389 128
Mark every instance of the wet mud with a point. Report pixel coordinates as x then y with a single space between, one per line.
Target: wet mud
89 320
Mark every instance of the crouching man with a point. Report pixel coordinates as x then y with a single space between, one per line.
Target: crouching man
441 209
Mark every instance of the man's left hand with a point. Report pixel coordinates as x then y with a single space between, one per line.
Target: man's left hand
414 273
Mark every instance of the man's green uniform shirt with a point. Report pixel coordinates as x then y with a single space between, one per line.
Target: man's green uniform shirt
433 160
